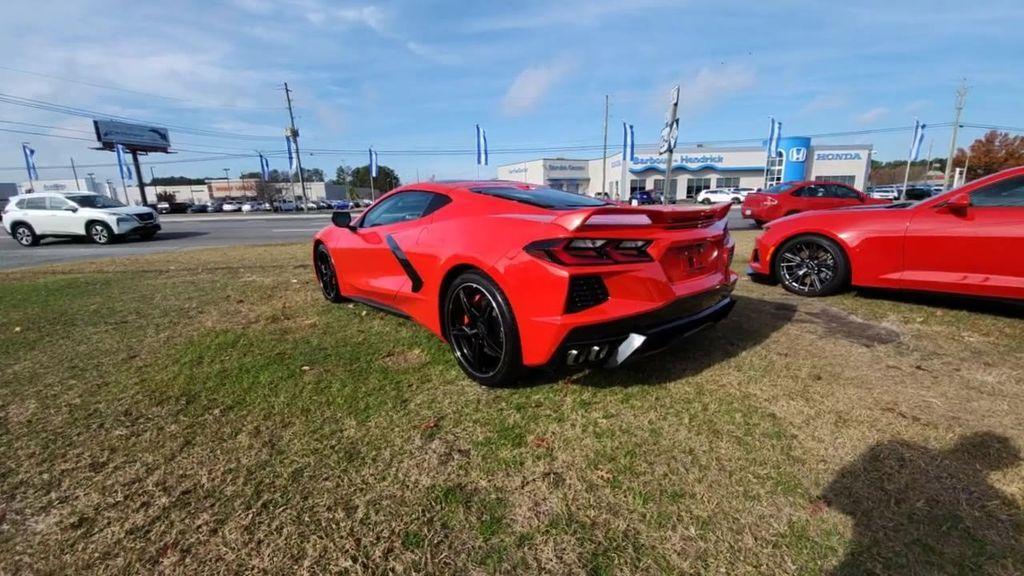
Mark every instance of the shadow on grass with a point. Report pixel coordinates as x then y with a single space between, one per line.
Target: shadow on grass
1005 308
920 510
127 240
751 322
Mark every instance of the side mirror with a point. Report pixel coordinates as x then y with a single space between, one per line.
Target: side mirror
958 202
70 208
341 219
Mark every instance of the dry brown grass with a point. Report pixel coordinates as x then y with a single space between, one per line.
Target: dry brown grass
208 412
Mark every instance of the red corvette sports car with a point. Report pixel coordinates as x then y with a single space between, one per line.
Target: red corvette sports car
790 198
515 276
967 241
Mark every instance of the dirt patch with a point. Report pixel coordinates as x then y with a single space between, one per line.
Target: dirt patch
849 327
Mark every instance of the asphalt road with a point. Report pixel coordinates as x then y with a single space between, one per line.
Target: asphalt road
188 232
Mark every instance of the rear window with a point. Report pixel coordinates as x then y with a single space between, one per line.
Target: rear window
781 188
543 197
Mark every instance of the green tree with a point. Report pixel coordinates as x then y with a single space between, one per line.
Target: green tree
342 175
165 197
386 180
175 181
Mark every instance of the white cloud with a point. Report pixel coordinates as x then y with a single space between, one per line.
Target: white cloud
917 106
431 53
370 16
531 85
823 103
711 85
873 115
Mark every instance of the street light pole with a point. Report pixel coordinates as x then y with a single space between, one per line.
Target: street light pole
604 155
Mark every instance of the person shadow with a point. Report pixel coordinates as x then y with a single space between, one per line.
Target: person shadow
920 510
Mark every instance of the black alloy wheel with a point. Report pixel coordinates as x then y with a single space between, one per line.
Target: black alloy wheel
481 330
24 235
325 274
811 266
100 233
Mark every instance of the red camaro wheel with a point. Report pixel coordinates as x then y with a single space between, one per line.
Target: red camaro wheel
811 266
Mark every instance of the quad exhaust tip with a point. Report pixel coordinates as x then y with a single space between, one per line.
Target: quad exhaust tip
586 355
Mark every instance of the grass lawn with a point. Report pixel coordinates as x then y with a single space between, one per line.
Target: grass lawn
210 412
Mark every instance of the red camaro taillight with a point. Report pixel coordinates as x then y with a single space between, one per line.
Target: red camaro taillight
590 251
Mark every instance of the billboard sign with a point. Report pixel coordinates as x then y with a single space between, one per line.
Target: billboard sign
132 136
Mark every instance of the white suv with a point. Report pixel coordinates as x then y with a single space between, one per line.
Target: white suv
31 217
714 195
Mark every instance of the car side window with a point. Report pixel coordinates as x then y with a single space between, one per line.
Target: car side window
56 203
837 191
403 207
35 203
1007 193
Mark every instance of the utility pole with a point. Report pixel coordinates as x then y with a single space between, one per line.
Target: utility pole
91 181
961 97
293 133
669 142
75 172
138 176
604 155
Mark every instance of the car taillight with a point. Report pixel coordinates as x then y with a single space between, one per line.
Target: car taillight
589 251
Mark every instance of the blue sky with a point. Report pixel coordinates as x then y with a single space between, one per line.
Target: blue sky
419 75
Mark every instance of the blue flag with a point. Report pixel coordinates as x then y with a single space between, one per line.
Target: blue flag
30 161
915 145
482 156
291 157
628 143
264 167
122 164
774 133
373 163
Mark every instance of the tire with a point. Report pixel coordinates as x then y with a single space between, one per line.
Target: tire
24 235
99 232
759 223
481 330
737 200
705 201
811 266
326 276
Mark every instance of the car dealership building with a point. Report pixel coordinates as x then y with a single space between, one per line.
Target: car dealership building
699 168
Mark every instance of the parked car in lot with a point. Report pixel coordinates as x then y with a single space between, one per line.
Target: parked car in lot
790 198
644 197
965 241
198 208
173 207
231 207
618 280
884 192
715 195
30 217
917 193
285 205
341 205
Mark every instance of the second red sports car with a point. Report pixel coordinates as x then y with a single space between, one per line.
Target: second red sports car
967 241
512 275
794 197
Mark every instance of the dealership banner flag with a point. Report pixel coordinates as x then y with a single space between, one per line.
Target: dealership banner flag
628 143
482 155
774 132
373 163
30 161
122 164
264 167
915 145
292 166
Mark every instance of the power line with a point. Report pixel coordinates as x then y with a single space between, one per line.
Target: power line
137 92
85 113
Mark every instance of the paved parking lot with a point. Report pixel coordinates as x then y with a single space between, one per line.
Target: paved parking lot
186 232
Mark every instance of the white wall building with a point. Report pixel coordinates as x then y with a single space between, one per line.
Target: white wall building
699 168
84 184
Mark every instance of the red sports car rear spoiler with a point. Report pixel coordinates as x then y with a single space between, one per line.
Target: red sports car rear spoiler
607 217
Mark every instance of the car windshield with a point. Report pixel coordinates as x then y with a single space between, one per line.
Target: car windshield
780 188
94 201
543 197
